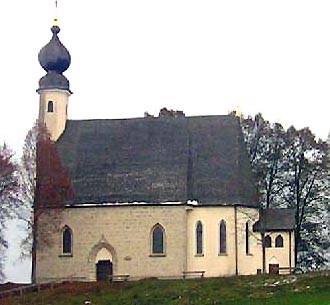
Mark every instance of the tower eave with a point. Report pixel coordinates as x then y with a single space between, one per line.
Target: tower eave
54 80
68 91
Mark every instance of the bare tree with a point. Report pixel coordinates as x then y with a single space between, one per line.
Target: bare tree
292 171
307 176
266 145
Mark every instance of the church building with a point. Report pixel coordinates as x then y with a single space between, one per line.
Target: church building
167 197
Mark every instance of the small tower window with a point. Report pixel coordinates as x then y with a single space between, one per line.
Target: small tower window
50 106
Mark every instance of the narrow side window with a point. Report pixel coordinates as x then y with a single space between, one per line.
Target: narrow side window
67 240
199 238
247 238
223 237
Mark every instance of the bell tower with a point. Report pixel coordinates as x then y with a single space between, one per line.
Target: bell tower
54 87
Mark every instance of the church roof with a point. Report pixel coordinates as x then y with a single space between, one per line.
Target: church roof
275 220
158 160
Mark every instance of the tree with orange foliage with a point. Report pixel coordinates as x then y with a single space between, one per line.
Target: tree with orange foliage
47 190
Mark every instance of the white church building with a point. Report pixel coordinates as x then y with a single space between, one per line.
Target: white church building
167 196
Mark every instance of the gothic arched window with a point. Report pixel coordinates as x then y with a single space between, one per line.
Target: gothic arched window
279 241
67 240
199 238
268 242
223 237
50 106
158 238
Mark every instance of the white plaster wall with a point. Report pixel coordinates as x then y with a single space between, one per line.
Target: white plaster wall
248 263
211 261
280 256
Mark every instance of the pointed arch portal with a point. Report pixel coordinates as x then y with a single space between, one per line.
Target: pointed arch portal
104 258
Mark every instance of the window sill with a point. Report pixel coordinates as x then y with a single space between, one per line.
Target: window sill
199 255
66 255
249 254
157 255
223 254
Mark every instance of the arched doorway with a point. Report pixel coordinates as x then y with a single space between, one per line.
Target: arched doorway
103 260
273 267
103 263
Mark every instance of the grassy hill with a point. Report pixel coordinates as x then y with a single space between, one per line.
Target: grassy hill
311 289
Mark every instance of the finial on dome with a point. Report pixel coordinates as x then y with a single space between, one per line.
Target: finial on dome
55 27
56 14
55 23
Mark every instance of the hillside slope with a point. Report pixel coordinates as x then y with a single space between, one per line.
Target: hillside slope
311 289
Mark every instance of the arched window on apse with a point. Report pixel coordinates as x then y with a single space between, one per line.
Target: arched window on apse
199 238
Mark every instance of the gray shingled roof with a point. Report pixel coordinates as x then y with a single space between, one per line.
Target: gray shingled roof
275 220
158 160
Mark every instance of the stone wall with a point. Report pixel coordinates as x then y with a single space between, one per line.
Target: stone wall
125 231
122 234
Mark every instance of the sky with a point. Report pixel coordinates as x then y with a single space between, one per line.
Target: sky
204 57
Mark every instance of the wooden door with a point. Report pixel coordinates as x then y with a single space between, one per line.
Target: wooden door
274 268
103 270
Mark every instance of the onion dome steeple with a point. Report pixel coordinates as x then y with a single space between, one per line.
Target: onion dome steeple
54 58
54 87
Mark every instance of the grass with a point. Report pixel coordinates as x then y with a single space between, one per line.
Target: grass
311 289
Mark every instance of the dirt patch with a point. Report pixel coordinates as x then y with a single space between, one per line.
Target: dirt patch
8 286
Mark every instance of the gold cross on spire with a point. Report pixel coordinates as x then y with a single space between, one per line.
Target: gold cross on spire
55 18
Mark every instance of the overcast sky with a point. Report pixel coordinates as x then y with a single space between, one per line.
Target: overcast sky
203 57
